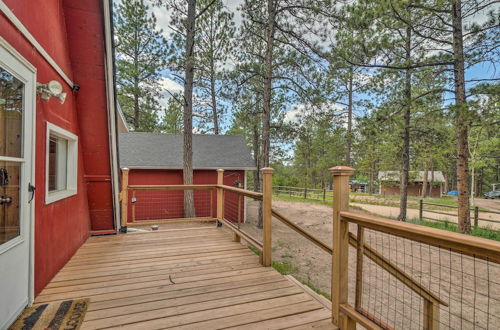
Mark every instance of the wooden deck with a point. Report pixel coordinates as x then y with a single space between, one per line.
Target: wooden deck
192 278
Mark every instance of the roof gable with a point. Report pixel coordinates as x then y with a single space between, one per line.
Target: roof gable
165 151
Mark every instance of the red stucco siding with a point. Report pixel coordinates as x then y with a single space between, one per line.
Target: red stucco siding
169 205
61 227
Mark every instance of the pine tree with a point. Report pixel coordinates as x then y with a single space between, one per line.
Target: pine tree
140 53
214 43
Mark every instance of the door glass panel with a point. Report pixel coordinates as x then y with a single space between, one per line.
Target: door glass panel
11 115
10 174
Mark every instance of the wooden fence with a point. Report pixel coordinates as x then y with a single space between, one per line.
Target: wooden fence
304 192
475 213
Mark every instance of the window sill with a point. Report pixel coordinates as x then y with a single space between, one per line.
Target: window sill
55 196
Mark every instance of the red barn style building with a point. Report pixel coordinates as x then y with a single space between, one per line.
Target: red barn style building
157 158
389 183
57 135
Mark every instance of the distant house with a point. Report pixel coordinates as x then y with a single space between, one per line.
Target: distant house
358 186
389 183
157 159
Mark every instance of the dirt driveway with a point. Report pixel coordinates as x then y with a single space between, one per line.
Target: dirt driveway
468 285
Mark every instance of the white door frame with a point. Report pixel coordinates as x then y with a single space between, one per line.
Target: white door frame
29 137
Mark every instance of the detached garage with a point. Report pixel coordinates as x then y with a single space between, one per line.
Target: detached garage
156 159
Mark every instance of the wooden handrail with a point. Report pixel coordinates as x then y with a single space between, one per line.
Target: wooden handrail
244 192
472 246
367 323
173 187
301 231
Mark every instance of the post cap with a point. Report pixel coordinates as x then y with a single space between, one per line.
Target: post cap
220 170
267 170
341 170
125 169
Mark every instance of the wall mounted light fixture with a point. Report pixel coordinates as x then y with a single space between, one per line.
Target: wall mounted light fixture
51 89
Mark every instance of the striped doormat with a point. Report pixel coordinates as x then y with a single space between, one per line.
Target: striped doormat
67 314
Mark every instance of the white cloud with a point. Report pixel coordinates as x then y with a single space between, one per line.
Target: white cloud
299 111
168 87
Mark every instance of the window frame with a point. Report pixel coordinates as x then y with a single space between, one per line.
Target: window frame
71 164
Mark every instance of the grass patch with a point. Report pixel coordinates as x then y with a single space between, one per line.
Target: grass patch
254 250
318 291
282 267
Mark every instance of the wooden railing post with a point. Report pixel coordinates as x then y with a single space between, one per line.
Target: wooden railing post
220 196
267 196
476 217
340 253
421 210
124 199
431 315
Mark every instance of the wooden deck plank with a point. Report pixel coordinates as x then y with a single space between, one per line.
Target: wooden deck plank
157 270
142 285
153 278
178 258
160 264
208 316
157 249
104 259
179 300
185 278
192 307
257 315
199 290
288 321
318 325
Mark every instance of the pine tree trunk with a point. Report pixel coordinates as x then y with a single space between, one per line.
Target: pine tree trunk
446 183
268 72
189 210
403 187
425 181
349 120
431 188
462 119
214 100
256 175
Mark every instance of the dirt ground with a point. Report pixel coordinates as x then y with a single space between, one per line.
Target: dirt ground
468 285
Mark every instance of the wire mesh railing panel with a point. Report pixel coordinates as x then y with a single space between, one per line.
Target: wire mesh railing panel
169 204
234 207
470 286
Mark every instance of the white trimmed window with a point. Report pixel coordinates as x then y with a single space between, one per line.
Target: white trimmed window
61 164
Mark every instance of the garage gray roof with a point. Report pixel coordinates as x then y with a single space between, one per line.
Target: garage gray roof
165 151
415 176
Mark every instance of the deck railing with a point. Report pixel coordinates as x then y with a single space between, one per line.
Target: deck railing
385 274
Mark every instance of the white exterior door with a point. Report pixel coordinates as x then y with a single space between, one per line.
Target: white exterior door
17 100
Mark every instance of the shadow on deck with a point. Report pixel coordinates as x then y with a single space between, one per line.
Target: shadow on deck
191 278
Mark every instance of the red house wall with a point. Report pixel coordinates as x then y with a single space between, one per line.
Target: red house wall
85 26
154 205
60 227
